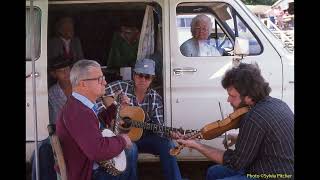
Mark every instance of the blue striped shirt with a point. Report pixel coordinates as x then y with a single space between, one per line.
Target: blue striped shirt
265 143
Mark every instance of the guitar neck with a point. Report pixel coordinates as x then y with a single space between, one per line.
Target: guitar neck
156 128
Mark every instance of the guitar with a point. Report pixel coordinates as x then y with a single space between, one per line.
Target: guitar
133 117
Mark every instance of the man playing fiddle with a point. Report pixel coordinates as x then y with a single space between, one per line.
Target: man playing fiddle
265 143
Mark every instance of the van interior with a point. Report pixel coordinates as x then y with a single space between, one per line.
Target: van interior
95 24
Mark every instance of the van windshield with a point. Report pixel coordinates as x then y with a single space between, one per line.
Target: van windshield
276 35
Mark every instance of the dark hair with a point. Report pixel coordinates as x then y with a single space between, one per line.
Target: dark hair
59 62
248 81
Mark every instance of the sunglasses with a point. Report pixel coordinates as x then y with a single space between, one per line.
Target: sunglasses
145 76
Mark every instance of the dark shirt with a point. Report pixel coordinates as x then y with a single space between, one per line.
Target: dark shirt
265 143
81 140
122 54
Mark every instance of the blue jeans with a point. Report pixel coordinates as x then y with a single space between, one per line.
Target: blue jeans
221 172
46 162
154 144
129 174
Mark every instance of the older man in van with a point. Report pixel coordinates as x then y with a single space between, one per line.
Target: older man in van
65 43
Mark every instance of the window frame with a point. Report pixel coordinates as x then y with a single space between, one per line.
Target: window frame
231 34
38 16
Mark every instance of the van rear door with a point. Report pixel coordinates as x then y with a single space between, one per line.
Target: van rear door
36 43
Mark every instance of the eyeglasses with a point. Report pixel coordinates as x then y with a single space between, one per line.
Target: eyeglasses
100 79
145 76
204 29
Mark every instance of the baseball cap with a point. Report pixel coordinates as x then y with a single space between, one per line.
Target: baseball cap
145 66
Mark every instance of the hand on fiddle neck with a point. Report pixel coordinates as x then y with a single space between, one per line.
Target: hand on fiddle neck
191 143
176 135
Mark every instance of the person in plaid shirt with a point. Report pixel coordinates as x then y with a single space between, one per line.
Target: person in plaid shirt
140 94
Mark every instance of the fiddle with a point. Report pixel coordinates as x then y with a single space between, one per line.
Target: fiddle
215 129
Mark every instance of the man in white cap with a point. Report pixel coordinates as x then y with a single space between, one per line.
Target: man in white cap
140 94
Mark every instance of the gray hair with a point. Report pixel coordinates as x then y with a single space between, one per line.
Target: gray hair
201 18
80 70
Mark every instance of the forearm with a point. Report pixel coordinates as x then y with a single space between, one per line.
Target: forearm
212 153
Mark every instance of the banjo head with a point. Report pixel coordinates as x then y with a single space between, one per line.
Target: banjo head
117 164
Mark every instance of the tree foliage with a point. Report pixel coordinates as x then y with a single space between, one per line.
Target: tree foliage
259 2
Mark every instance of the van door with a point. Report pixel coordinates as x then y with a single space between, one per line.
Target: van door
196 88
39 50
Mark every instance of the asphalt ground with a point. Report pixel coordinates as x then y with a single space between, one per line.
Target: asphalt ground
191 170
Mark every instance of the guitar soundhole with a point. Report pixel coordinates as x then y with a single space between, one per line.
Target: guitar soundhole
127 122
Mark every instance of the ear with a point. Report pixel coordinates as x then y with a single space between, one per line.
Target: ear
248 100
82 84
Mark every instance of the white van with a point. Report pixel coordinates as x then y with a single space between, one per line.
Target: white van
190 86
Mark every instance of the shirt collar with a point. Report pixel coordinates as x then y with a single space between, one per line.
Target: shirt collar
83 99
66 41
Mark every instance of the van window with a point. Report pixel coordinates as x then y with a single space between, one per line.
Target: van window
221 34
214 36
242 30
36 36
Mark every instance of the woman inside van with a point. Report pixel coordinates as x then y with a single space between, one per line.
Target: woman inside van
199 45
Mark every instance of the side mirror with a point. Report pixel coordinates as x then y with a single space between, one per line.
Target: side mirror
241 46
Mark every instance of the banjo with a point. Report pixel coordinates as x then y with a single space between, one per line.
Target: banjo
118 164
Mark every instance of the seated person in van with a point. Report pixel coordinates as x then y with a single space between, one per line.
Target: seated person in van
124 48
57 96
65 43
199 44
59 68
140 94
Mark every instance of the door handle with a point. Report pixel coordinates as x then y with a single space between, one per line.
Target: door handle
179 71
36 74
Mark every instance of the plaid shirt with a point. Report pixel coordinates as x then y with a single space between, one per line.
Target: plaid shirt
57 99
151 104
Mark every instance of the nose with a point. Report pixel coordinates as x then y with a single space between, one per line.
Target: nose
228 100
104 82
